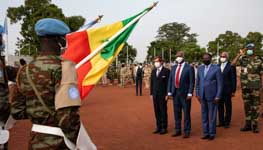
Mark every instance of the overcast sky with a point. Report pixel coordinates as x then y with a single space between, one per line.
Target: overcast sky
207 18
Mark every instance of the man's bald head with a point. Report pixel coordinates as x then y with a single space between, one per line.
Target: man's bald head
180 54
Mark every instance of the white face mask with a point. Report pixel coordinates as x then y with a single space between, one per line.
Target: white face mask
222 59
179 59
157 64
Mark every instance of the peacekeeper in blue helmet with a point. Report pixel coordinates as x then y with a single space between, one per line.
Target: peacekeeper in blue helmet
48 94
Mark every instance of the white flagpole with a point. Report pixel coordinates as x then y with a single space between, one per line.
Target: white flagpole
162 54
170 55
127 54
97 50
154 52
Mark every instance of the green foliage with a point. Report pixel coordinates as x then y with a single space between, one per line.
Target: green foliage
229 41
175 36
29 13
232 42
132 52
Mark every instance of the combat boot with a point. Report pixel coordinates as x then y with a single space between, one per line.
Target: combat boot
255 129
247 127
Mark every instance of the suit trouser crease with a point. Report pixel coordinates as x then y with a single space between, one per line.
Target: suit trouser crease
160 110
209 112
138 85
181 104
225 110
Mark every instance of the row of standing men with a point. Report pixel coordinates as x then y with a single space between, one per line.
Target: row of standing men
214 86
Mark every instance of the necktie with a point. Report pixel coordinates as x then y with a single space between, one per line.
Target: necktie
158 72
177 81
206 70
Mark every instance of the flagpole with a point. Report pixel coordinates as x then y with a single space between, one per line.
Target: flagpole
97 50
154 52
90 24
162 54
170 55
127 54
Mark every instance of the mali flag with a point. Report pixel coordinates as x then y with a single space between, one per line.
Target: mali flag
83 43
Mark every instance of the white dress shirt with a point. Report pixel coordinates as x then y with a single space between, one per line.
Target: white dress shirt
180 73
223 65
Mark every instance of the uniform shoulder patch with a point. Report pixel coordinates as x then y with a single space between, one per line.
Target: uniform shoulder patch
73 93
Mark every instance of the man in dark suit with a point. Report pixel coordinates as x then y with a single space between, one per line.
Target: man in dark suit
229 88
181 87
139 77
208 92
158 92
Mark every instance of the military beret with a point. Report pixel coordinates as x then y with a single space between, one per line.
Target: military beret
50 26
1 29
250 45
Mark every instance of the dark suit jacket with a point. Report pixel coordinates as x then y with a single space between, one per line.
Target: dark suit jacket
159 84
209 86
187 80
229 79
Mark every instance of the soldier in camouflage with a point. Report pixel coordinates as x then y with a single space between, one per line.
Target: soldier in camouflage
251 78
4 104
147 74
38 83
123 73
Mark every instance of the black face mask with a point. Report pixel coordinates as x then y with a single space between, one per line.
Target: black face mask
207 62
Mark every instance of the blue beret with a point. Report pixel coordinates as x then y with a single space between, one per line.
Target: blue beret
49 26
250 45
1 29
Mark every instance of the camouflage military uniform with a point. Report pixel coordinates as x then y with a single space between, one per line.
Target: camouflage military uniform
4 104
250 76
147 73
45 72
123 73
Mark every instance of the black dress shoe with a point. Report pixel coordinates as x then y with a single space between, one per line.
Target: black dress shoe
177 134
163 131
211 138
226 126
205 137
186 135
156 131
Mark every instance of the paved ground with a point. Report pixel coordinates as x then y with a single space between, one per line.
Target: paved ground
118 120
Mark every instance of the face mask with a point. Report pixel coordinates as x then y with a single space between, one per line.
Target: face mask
222 59
179 59
157 64
206 62
250 52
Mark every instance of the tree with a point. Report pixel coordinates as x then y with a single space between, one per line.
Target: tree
174 36
256 38
132 52
29 14
229 41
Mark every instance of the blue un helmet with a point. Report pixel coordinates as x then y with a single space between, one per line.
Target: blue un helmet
51 27
250 46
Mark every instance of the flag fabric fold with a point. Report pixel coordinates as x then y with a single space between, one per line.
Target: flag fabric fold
83 43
